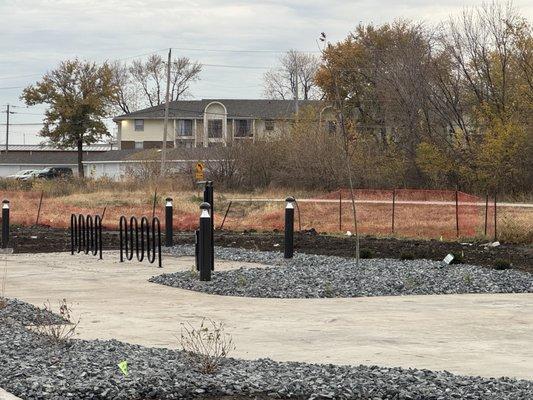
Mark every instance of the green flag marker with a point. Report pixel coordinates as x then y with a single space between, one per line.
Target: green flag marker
123 365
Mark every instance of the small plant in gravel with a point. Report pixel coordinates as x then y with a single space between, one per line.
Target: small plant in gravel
194 272
411 282
468 279
241 281
407 256
328 290
457 258
47 325
207 345
502 265
366 254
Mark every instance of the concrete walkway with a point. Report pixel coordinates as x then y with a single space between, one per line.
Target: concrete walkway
7 396
488 335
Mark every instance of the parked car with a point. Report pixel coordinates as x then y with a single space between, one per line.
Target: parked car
54 173
23 175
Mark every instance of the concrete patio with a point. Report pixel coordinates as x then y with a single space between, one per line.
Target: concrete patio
487 335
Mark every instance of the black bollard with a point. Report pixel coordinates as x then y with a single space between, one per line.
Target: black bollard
169 211
204 245
289 227
5 224
209 198
196 244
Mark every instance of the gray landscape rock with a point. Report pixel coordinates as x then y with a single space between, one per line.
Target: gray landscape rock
316 276
32 367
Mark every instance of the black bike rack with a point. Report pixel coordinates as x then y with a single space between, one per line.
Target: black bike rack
140 238
86 234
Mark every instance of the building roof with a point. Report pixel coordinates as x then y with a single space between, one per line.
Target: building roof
39 158
264 109
52 159
45 147
132 155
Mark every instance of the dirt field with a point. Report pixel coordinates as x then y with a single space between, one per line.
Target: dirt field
45 239
417 213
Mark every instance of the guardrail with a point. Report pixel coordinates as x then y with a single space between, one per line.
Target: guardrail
140 239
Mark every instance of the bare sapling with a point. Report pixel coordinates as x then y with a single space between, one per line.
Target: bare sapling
340 106
207 345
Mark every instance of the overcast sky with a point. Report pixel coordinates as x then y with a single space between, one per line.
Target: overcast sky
36 35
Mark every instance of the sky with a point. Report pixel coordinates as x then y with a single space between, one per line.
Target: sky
237 41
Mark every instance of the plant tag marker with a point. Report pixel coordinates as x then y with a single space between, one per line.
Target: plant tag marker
123 365
448 259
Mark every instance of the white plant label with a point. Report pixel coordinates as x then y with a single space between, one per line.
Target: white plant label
448 259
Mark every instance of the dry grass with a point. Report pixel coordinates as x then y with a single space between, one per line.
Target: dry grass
411 220
206 345
57 333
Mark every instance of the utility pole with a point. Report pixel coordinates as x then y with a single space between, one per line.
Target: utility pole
7 127
167 98
297 95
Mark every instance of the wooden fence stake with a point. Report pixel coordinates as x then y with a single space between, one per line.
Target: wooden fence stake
340 210
39 209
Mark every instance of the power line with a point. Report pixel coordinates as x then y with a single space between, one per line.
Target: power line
25 124
243 50
236 66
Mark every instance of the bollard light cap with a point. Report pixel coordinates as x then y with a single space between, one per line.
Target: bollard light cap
205 207
290 202
168 202
5 203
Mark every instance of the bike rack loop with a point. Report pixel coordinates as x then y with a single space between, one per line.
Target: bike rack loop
86 234
140 238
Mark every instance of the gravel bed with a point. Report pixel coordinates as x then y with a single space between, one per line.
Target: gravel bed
34 368
316 276
27 314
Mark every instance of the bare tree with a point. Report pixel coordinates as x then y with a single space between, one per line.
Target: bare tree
296 69
143 82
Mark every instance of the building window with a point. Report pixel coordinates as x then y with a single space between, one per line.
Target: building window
139 125
243 128
139 145
269 124
214 128
184 127
332 126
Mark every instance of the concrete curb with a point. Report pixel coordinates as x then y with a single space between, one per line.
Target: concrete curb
7 396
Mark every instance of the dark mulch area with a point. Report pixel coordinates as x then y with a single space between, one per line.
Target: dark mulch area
47 239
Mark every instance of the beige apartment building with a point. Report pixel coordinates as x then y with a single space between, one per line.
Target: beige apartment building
207 122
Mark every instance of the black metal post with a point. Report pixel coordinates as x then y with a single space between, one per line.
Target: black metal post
209 198
196 249
169 211
204 251
289 227
5 224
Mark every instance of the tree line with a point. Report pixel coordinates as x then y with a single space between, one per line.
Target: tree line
416 105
